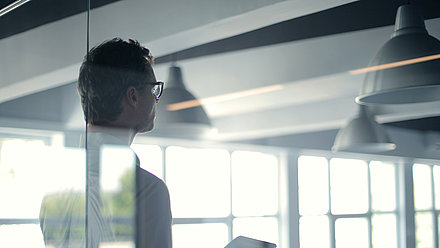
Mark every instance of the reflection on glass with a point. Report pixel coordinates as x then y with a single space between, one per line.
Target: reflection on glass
383 186
424 233
39 178
254 184
262 228
117 185
351 232
384 230
150 157
349 186
314 232
422 187
312 185
436 171
213 235
198 181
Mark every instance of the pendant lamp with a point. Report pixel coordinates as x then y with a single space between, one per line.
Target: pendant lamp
407 80
363 134
191 122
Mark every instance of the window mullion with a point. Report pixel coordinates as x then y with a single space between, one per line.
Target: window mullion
332 219
434 215
435 229
406 205
399 211
292 172
283 197
231 216
370 210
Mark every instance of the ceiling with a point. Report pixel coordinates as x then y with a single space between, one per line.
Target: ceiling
305 46
40 12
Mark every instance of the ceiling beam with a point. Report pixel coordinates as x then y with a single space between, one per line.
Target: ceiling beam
39 58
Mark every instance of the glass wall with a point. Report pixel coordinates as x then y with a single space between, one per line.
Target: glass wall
42 160
230 134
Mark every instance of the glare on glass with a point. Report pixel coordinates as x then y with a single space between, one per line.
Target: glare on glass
254 184
212 235
313 185
150 157
384 230
351 232
198 181
26 235
383 186
436 171
53 172
261 228
422 187
424 233
314 232
19 168
349 186
49 170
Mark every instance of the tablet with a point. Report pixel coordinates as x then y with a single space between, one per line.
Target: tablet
245 242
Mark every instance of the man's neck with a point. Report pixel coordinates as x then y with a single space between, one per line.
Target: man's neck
124 134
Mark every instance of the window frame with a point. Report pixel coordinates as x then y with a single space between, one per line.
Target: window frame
432 210
288 213
279 153
397 162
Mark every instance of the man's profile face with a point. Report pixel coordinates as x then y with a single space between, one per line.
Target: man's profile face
146 111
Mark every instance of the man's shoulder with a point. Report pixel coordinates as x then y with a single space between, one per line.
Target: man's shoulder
146 174
147 180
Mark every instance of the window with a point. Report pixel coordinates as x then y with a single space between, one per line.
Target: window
216 194
427 204
198 181
150 157
346 202
255 195
200 235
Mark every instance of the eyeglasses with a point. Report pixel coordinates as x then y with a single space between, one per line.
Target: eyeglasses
157 89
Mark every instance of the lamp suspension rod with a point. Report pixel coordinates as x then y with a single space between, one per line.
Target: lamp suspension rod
173 59
12 6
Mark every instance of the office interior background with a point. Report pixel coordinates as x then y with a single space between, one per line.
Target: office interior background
254 145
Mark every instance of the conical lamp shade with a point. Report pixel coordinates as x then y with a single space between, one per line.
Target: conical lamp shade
191 122
411 83
363 134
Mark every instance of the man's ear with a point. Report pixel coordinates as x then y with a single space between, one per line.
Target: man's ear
131 96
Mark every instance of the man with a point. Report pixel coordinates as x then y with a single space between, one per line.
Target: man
119 93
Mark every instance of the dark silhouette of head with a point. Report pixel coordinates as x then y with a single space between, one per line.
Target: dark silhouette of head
112 67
